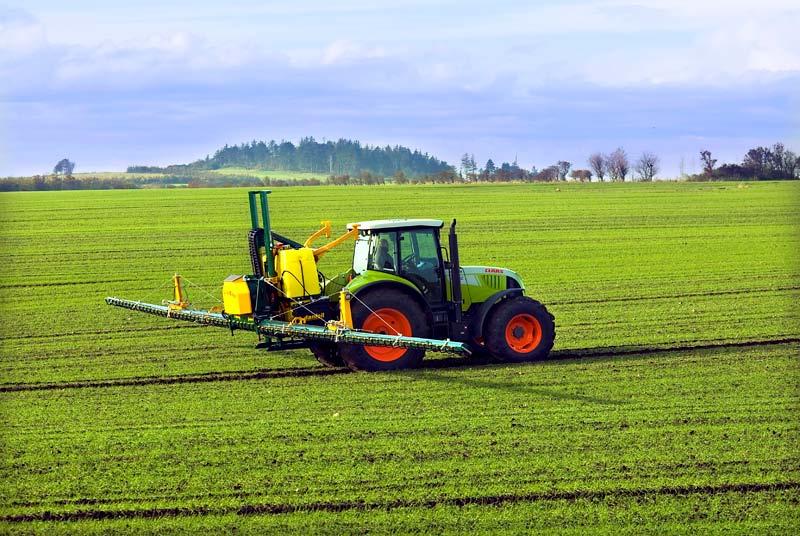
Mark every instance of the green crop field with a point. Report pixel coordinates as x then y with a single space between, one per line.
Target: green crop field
671 402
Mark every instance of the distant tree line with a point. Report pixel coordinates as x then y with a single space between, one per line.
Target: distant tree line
57 182
342 157
512 172
616 166
760 163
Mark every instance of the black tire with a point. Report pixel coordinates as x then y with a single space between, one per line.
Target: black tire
326 353
359 357
520 329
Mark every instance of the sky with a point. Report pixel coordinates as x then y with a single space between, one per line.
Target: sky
112 84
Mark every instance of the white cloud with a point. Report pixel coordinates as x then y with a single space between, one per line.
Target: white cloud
607 42
343 51
20 32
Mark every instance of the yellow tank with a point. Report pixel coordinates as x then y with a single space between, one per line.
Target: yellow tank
298 269
236 296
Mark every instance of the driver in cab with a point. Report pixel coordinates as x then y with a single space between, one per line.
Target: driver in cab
383 259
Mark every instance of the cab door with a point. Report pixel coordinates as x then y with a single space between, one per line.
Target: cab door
420 262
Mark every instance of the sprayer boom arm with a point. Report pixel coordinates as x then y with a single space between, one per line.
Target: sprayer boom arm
276 328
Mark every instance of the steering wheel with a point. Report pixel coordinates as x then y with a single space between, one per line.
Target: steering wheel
424 265
408 260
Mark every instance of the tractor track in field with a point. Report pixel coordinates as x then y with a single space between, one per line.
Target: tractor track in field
144 329
184 378
689 470
490 500
610 351
444 363
674 296
63 283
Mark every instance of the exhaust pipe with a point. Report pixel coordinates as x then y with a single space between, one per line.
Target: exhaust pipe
455 273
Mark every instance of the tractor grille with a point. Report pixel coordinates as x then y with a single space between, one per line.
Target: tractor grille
494 281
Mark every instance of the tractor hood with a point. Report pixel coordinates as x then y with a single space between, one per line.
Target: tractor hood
479 283
489 276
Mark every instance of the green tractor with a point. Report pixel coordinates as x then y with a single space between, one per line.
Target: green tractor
404 282
404 294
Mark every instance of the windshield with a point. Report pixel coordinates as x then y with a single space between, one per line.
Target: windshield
361 254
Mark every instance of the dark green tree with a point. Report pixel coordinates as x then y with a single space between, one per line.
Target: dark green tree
64 167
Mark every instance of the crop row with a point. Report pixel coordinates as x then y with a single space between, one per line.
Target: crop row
697 418
725 512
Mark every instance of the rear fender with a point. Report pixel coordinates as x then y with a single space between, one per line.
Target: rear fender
411 291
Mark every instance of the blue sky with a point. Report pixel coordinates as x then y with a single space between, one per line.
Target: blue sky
112 84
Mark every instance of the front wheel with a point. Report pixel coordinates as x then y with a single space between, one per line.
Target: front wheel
520 329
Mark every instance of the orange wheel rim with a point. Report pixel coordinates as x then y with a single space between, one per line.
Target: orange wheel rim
523 333
387 321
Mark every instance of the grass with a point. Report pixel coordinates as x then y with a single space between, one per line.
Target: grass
671 403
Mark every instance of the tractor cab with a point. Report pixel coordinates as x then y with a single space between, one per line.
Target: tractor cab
408 249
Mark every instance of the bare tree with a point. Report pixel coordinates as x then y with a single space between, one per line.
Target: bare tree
647 166
563 169
549 173
618 165
598 164
792 165
708 162
473 168
466 166
583 175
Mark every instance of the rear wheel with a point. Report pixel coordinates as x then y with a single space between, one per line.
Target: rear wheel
389 312
326 353
520 329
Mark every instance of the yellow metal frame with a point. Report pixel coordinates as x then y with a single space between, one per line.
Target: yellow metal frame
326 230
345 314
322 250
179 302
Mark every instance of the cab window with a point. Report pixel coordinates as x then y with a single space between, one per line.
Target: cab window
419 261
383 252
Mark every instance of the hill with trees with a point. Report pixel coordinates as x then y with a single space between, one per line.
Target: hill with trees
341 157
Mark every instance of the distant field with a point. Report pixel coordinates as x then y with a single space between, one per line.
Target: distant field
261 174
234 171
230 171
117 175
671 403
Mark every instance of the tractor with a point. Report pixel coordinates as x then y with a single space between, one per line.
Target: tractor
404 294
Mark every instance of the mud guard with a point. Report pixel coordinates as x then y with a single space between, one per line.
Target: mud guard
412 291
476 324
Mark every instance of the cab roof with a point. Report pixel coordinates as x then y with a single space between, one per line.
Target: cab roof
395 224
